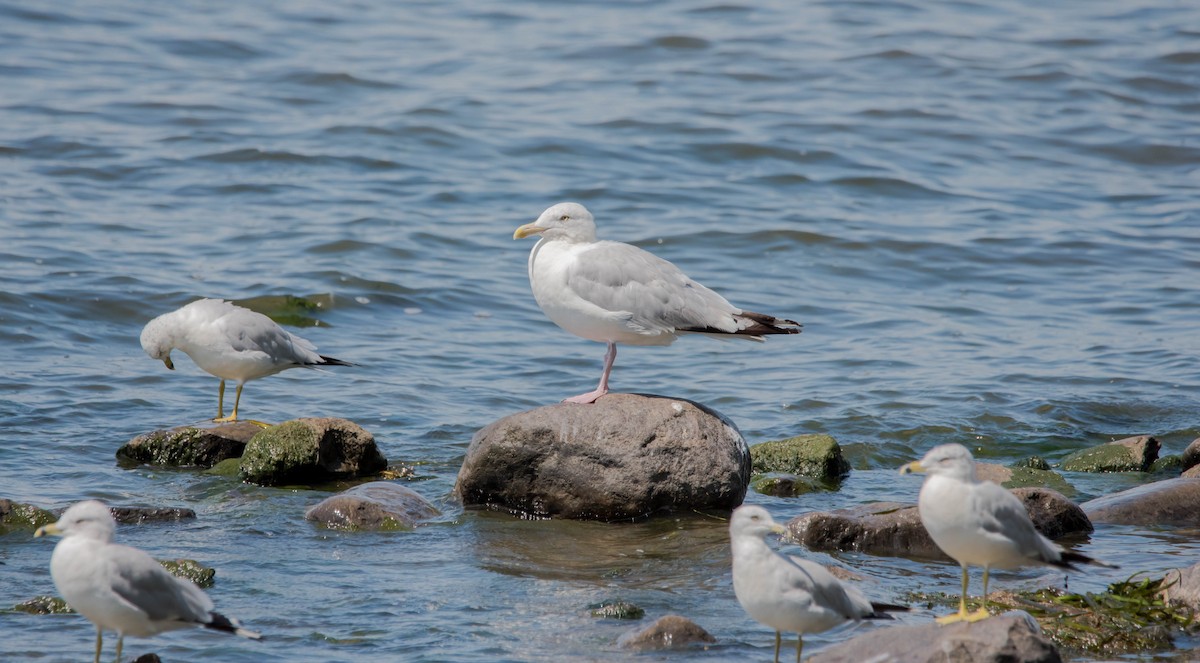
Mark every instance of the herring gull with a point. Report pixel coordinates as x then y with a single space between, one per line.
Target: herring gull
612 292
231 343
120 588
980 522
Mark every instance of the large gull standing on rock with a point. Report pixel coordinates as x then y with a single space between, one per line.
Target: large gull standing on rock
612 292
230 342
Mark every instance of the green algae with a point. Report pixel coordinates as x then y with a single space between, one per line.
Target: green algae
812 455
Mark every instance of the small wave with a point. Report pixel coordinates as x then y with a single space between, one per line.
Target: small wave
339 80
219 49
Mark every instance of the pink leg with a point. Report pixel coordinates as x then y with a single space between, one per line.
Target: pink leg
609 358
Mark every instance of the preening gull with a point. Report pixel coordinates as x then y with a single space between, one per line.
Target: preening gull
979 522
230 342
612 292
120 588
789 593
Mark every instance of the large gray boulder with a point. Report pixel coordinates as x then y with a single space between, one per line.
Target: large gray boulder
1172 503
310 450
624 457
189 446
1008 638
372 506
891 528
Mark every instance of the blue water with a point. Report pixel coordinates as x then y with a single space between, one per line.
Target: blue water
985 215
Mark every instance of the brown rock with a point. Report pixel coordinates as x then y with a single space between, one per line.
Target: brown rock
1183 586
371 506
1192 472
668 632
623 457
1173 502
136 515
309 450
1009 638
1191 455
891 528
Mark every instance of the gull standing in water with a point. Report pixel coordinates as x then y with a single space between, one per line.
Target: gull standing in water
789 593
231 343
612 292
980 522
123 589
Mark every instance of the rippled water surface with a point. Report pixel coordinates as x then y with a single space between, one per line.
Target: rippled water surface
984 214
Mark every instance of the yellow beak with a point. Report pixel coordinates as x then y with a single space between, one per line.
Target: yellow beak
52 528
779 529
527 230
170 364
914 466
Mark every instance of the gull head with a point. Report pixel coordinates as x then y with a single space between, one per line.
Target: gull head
90 519
568 221
750 520
157 341
948 460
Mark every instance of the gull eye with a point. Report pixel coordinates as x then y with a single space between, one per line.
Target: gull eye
564 217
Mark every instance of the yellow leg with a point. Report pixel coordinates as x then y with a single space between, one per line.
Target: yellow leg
220 402
799 645
778 640
236 400
982 612
120 643
962 603
99 642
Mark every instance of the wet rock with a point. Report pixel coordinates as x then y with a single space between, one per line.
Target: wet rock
1172 502
891 528
147 658
817 456
310 450
626 456
137 515
1167 465
786 485
189 446
1183 586
19 516
668 632
1191 455
1191 472
1032 463
1008 638
230 468
1022 476
1132 454
616 610
44 605
190 569
379 505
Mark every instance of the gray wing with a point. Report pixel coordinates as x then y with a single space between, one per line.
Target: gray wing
1003 515
656 294
249 331
137 578
827 591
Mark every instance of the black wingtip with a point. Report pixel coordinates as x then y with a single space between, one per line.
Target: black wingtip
219 622
330 361
881 610
1069 559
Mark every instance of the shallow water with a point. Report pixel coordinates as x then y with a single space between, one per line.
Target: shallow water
984 214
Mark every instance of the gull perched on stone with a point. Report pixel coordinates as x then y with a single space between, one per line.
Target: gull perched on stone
120 588
612 292
789 593
231 343
979 522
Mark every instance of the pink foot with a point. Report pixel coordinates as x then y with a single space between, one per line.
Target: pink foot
589 397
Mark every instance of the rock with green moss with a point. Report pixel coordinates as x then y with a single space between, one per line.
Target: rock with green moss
1023 476
1132 454
189 446
378 505
786 485
290 310
310 450
813 455
230 468
1167 465
44 605
616 610
19 516
190 569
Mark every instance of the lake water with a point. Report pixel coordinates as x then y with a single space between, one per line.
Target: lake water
985 214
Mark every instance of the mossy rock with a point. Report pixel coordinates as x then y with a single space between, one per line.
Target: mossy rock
1134 454
1032 463
189 446
290 310
18 516
1168 465
813 455
310 450
616 610
190 569
786 485
230 468
1025 477
44 605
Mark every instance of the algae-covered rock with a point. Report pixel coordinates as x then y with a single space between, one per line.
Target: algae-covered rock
1132 454
786 485
289 310
616 610
814 455
44 605
372 506
1023 476
667 632
230 468
19 516
190 569
310 450
1032 463
189 446
1167 465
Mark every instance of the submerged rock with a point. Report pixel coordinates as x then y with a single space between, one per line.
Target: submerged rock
667 632
1132 454
189 446
1022 475
616 610
1009 638
137 515
623 457
787 485
310 450
44 605
19 516
817 456
891 528
372 506
190 569
1172 502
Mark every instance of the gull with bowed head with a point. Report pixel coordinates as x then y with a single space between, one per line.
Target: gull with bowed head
980 522
612 292
122 589
789 593
231 343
